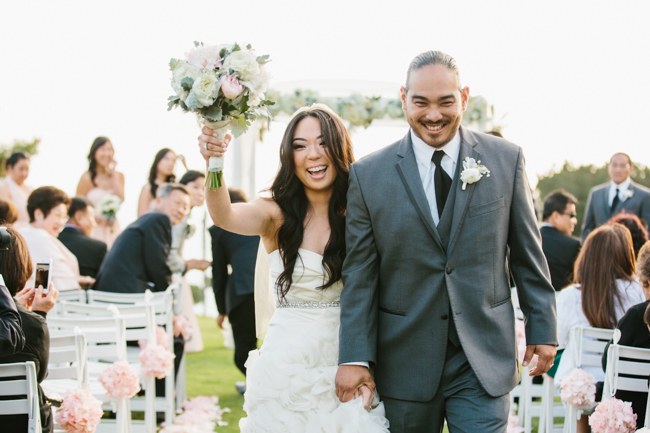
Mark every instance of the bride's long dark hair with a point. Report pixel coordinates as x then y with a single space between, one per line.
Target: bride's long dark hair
289 193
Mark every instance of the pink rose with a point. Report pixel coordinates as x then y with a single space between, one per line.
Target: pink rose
231 87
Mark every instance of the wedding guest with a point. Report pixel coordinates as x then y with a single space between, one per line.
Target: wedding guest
138 259
604 289
12 338
620 193
48 212
637 228
302 228
426 312
8 213
76 236
13 187
102 182
634 327
193 181
161 171
560 247
33 306
233 269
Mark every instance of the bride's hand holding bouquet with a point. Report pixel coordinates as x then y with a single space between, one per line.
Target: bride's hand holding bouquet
224 86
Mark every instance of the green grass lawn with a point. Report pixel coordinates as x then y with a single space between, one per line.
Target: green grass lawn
213 372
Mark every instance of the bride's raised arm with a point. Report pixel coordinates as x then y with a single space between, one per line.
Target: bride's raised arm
253 218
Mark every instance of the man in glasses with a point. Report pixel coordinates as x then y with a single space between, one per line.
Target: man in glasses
559 246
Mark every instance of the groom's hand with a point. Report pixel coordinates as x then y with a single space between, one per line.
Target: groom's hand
545 357
349 378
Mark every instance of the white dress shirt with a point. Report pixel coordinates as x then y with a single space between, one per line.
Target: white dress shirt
623 186
426 167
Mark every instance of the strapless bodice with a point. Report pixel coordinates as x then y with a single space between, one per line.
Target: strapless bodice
308 276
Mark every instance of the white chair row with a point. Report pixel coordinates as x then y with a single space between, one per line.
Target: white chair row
18 384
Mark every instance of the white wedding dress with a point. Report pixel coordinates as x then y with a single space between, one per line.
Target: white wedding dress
290 380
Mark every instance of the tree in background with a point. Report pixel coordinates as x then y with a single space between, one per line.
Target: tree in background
578 180
29 147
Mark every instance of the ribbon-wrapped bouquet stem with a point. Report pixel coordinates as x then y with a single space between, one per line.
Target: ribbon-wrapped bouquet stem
224 86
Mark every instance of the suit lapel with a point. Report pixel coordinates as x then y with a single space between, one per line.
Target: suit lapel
462 198
604 200
410 176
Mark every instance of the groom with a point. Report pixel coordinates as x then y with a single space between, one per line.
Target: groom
426 303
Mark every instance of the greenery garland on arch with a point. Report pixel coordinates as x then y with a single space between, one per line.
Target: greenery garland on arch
359 110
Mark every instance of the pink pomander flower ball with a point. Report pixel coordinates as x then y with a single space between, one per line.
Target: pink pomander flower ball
578 389
120 380
80 412
156 361
613 416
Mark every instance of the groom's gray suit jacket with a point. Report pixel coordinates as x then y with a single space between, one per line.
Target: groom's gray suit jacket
598 210
404 277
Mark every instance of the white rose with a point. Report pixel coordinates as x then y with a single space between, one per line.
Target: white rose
204 91
470 175
181 71
244 63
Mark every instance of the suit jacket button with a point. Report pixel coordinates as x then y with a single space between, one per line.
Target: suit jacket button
444 317
449 270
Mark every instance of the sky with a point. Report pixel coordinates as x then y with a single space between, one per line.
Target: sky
570 80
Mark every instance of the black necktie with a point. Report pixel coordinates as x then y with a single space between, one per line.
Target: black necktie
614 202
441 181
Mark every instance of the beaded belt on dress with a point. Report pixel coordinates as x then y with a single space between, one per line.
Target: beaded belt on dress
313 304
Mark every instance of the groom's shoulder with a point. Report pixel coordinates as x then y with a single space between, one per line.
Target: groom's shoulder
489 141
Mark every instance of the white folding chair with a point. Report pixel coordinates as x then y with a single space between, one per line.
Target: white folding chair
163 303
140 324
628 369
67 365
74 295
588 345
18 381
530 401
552 408
105 344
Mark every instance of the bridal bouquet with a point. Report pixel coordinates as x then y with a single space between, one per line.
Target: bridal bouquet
224 86
108 207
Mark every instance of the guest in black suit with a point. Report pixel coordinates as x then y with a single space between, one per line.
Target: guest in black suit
138 259
76 237
560 248
635 327
233 290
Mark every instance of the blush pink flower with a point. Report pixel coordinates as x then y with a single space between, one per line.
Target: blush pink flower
120 380
613 416
578 389
231 87
80 412
156 361
161 339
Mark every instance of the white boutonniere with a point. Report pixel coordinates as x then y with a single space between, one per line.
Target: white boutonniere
473 171
626 193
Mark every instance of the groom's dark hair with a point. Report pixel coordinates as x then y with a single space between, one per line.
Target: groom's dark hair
432 58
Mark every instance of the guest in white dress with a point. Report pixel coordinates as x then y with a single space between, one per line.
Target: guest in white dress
13 187
605 288
290 380
161 171
101 182
48 212
193 181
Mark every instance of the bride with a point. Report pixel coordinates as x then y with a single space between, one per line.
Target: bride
290 380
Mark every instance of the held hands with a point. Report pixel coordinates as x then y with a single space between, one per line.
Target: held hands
86 281
211 145
354 381
199 264
545 356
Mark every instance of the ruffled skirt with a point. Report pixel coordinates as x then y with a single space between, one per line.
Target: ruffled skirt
290 380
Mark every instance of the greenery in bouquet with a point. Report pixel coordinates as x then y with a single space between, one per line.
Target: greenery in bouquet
109 206
224 85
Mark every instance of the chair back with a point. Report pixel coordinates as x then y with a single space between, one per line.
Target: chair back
105 336
68 358
19 386
628 369
589 345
